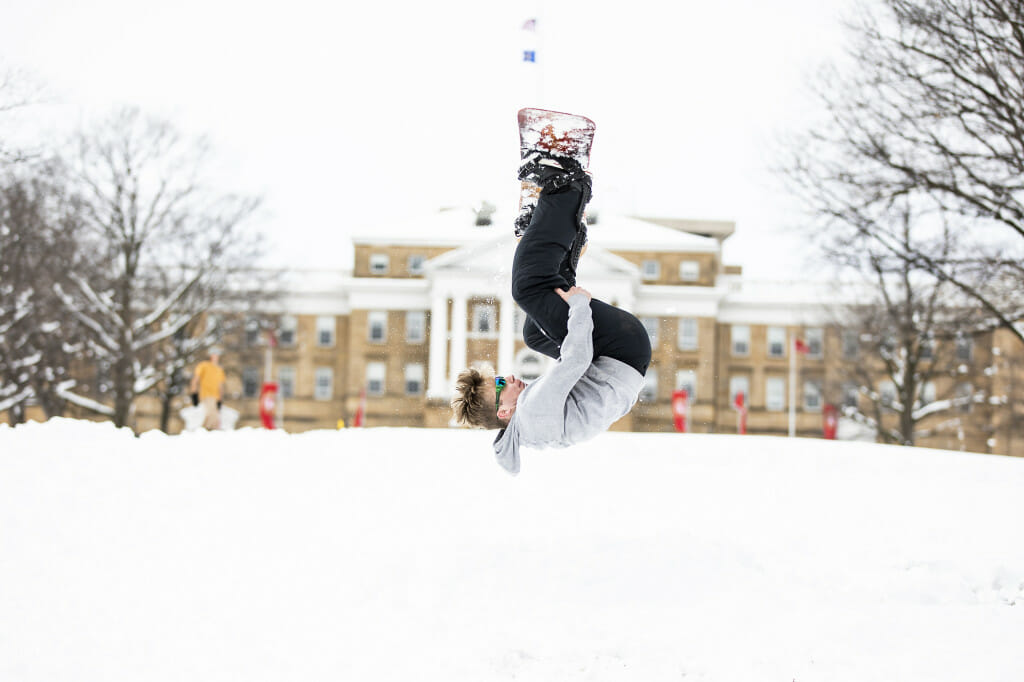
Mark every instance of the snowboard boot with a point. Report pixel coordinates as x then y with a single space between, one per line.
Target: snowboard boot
546 173
541 173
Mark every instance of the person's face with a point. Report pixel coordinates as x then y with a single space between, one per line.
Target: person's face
508 396
215 358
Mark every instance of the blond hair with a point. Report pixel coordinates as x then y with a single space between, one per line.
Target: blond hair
474 401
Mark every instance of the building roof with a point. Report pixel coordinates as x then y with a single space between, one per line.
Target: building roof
457 227
719 229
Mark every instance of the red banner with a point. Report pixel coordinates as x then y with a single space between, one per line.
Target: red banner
741 417
680 404
357 421
268 404
831 418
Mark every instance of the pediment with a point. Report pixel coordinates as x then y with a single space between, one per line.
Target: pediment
493 258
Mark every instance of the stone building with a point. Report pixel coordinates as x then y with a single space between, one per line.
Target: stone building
427 298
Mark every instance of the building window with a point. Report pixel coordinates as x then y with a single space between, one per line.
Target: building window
286 330
651 269
774 394
651 325
964 348
415 264
851 344
851 395
325 331
686 380
689 271
687 334
964 397
649 392
377 325
887 346
286 382
776 342
927 350
415 326
252 331
414 379
887 394
375 375
815 342
739 384
927 393
812 396
250 382
380 264
484 315
740 340
323 389
529 365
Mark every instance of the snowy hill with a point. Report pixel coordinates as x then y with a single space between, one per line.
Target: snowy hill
399 554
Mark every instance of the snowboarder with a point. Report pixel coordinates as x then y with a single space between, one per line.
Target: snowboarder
603 352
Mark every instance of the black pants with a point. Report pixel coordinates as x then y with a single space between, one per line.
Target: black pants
540 266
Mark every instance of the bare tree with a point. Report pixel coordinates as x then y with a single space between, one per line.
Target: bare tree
931 112
170 242
39 229
902 343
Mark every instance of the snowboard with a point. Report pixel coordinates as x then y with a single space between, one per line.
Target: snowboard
553 132
194 416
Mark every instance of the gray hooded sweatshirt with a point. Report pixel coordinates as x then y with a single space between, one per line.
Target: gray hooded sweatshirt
576 400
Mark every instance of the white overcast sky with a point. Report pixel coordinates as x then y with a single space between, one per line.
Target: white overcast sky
345 115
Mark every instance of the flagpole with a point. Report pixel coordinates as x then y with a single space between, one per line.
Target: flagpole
532 54
792 388
543 57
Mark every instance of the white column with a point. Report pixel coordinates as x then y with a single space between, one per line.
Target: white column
438 386
457 362
507 334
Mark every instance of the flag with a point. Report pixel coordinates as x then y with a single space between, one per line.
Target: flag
739 403
529 56
680 401
801 347
357 421
530 25
271 338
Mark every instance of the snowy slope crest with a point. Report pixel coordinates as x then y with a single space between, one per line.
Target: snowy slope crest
400 554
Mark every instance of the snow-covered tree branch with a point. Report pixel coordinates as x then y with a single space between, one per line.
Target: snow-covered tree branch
169 242
38 243
908 342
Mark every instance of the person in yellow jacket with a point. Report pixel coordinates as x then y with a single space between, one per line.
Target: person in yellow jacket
207 388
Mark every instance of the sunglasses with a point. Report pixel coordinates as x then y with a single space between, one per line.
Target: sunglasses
499 386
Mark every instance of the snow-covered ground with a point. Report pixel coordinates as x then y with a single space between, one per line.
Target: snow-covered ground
400 554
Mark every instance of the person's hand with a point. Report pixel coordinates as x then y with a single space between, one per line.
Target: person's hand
572 292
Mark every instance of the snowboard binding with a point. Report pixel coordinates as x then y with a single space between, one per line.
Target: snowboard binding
549 173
